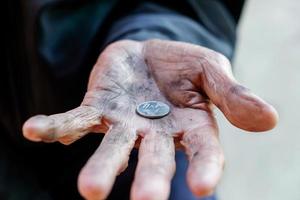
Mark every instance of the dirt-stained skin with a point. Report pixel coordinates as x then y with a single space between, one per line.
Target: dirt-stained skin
189 78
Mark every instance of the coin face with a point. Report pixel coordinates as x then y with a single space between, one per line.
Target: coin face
153 109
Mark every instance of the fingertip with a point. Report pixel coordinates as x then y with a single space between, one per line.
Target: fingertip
201 188
37 127
263 120
151 189
248 111
269 119
201 191
91 187
203 181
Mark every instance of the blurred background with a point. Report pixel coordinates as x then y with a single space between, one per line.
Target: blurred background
266 166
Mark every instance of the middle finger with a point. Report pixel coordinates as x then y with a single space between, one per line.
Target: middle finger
155 168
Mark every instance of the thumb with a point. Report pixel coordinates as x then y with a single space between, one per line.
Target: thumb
240 106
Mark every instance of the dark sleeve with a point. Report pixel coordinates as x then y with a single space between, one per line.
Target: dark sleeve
66 36
208 23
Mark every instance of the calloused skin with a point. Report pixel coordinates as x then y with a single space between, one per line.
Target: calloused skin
190 79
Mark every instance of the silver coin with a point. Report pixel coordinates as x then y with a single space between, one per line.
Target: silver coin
153 109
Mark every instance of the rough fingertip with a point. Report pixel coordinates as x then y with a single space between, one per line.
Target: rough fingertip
92 188
200 187
267 121
153 189
248 111
202 182
37 127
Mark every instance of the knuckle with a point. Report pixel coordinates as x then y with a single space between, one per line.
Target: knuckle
152 42
216 58
221 57
222 60
216 62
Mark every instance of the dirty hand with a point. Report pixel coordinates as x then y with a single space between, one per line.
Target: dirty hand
190 79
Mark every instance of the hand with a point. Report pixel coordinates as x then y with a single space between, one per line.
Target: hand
190 79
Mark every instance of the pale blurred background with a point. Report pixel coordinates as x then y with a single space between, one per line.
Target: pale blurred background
266 166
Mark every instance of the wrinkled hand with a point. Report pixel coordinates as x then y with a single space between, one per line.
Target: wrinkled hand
190 79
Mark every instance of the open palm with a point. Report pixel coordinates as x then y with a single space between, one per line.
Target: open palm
190 79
